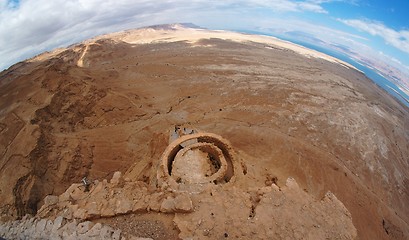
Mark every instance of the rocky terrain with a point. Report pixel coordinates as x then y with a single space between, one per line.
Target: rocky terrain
217 135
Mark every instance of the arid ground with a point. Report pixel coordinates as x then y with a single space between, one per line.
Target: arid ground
109 104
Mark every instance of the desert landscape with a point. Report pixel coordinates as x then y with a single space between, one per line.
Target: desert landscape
186 133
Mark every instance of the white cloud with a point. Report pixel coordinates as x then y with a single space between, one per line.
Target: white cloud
290 6
351 2
282 26
398 39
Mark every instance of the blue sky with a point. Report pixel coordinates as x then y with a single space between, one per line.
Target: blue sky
376 30
392 15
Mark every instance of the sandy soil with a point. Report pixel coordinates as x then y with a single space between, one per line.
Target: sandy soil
108 104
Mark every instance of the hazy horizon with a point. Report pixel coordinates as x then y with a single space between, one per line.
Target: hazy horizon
372 33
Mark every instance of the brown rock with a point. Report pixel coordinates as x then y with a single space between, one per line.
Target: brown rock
75 192
67 213
168 205
123 206
93 209
139 205
154 201
183 203
80 213
116 179
64 197
99 186
51 200
108 207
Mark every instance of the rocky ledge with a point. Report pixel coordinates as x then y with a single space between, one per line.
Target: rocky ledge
216 211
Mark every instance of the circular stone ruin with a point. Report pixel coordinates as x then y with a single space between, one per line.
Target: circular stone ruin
196 159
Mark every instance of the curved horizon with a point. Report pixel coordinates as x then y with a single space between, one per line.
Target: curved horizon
374 35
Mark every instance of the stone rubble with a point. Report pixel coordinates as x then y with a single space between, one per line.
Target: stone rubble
107 199
59 228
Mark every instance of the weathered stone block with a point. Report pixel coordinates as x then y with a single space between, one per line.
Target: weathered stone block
57 223
94 231
183 203
80 213
40 226
51 200
116 235
168 205
106 232
116 179
83 227
123 206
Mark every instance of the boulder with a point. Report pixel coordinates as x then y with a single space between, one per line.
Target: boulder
183 203
168 205
116 179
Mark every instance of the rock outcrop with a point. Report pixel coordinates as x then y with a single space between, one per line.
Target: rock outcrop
258 213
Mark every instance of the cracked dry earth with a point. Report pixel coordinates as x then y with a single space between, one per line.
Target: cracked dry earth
320 151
